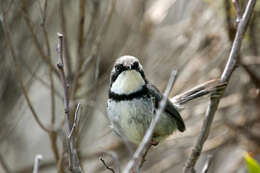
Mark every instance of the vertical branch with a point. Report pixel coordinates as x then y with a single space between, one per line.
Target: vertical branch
82 11
52 134
73 156
19 76
214 101
66 43
76 120
229 22
79 61
96 44
253 34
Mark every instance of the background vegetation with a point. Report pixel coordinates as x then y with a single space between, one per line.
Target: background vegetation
194 37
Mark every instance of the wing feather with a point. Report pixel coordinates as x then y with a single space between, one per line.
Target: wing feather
169 108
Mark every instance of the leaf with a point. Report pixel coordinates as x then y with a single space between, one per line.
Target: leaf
252 165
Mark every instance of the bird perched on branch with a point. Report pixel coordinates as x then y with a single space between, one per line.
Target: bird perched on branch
132 103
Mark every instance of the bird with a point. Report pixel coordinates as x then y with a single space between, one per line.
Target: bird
132 103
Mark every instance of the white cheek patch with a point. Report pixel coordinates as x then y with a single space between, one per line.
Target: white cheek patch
128 82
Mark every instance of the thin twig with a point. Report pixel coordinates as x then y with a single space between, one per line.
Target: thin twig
253 28
207 164
148 135
253 75
82 12
79 62
36 41
76 120
39 79
145 154
52 134
116 161
37 159
66 41
214 101
94 48
98 40
104 163
73 156
19 75
60 162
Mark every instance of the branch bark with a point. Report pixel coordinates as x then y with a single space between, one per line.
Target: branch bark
73 156
214 101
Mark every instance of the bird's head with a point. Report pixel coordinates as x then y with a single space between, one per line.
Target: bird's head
127 75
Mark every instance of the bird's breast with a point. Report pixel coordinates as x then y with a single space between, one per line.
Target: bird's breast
130 117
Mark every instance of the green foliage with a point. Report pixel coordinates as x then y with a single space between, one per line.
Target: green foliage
252 165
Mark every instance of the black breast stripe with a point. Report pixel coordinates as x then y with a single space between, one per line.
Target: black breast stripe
119 97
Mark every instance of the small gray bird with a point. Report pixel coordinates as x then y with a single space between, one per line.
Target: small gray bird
132 103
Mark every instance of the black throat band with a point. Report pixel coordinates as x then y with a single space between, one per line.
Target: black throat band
119 97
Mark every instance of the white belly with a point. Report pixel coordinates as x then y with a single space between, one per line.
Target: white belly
132 119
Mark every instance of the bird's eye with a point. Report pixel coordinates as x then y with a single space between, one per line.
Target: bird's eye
119 67
135 65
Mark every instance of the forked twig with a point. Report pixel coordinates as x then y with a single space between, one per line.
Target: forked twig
73 156
106 166
76 120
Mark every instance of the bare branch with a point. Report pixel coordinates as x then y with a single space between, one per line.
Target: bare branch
82 11
104 163
37 159
47 43
148 135
60 162
66 42
36 41
73 156
52 134
115 158
98 40
76 120
145 154
233 57
19 75
214 101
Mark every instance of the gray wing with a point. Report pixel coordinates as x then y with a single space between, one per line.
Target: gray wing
169 108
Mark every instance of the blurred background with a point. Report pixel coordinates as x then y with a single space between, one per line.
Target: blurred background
193 37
